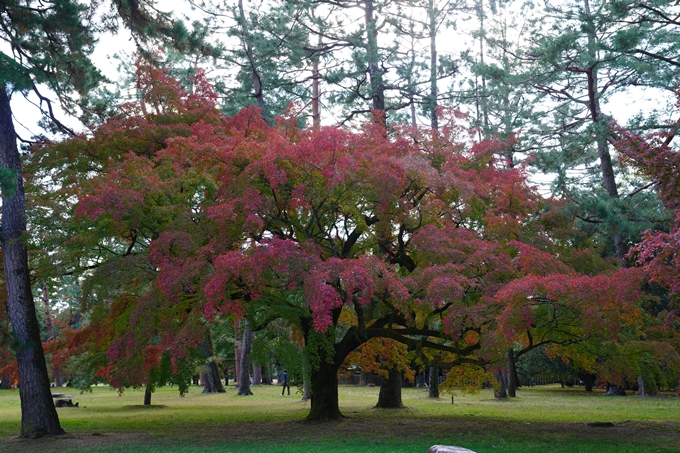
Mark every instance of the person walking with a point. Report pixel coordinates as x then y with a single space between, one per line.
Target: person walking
285 383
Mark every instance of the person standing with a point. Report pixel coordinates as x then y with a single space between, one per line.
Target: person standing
285 383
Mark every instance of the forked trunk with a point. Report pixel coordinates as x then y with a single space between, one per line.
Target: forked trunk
38 414
324 383
433 389
390 391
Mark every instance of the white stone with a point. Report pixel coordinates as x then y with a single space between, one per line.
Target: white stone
448 449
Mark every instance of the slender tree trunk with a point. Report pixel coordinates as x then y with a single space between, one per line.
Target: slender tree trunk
244 377
266 372
237 351
38 414
363 378
4 383
324 383
433 389
375 73
600 126
147 396
482 99
316 110
433 101
500 392
512 374
248 46
257 375
50 328
390 391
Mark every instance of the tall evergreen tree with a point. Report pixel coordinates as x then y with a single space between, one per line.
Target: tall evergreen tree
48 43
577 58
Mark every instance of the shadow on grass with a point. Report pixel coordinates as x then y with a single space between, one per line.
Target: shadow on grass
359 432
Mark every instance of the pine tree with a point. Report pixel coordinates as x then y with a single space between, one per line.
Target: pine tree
48 44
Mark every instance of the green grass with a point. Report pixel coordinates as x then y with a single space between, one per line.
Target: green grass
547 419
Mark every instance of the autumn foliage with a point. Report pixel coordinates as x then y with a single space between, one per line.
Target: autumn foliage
186 217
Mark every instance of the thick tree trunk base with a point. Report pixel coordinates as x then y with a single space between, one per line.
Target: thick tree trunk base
588 380
324 398
211 379
390 391
38 415
615 390
433 387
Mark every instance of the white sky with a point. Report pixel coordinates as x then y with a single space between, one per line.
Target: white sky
622 106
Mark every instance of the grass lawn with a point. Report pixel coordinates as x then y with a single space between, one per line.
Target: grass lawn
544 419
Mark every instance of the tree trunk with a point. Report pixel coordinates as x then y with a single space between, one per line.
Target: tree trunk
588 380
4 383
390 391
316 110
38 414
433 390
324 383
512 374
210 373
501 391
244 376
212 383
247 44
615 390
257 375
643 390
433 101
147 396
363 378
266 372
237 351
375 73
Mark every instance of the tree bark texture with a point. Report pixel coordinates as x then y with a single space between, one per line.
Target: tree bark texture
433 384
501 391
390 391
244 369
38 414
324 383
210 373
257 375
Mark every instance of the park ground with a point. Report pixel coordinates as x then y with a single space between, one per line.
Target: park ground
541 419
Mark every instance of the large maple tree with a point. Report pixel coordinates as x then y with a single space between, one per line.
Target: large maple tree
420 241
